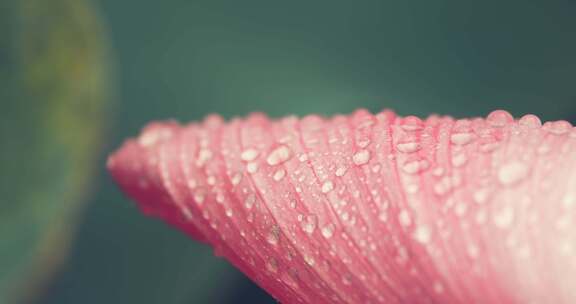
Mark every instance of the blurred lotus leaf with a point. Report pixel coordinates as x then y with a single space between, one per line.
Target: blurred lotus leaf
53 89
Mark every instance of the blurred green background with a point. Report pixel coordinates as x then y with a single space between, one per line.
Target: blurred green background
77 77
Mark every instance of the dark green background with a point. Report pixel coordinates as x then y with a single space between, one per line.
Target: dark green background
185 59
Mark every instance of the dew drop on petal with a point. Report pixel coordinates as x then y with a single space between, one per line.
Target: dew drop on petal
361 157
499 118
422 234
530 121
249 201
249 155
459 160
328 231
412 123
404 218
309 260
199 197
279 175
504 217
512 173
363 143
252 167
273 236
461 139
279 155
480 196
559 127
272 265
341 171
415 166
236 178
408 147
327 186
309 223
203 156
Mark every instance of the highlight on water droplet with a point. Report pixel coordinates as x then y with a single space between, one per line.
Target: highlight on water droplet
249 201
408 146
361 157
512 173
328 231
412 123
530 121
415 166
249 155
327 186
279 155
309 223
499 118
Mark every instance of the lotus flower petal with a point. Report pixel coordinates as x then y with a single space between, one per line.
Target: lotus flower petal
371 208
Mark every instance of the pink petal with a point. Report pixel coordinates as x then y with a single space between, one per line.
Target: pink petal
371 208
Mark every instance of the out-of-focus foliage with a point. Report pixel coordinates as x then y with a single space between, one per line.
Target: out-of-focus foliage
54 95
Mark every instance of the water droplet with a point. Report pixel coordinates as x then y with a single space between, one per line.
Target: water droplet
383 216
415 166
236 179
499 118
504 217
309 223
293 203
309 260
422 234
203 156
279 174
480 196
229 212
512 173
278 155
272 265
361 157
530 121
404 218
249 155
363 143
273 236
328 231
489 146
461 139
249 201
459 160
376 168
341 171
460 209
569 200
559 127
199 197
152 136
412 123
327 186
252 168
408 147
438 171
303 157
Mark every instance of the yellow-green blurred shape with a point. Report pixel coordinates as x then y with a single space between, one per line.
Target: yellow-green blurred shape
54 100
